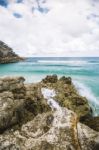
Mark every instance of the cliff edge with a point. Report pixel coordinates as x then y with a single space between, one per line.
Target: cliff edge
7 55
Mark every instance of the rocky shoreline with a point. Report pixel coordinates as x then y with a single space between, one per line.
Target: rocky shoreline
28 122
7 55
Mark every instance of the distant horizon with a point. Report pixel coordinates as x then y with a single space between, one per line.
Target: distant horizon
62 57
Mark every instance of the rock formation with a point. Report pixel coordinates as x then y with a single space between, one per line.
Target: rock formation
18 102
27 121
67 96
7 55
50 131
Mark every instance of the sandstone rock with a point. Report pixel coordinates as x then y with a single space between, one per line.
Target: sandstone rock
7 55
52 131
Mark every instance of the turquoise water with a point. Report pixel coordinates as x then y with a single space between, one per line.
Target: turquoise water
84 71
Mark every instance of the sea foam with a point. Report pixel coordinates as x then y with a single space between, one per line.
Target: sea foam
63 62
86 92
48 95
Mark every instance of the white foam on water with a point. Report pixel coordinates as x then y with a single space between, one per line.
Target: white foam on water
86 92
59 112
48 95
63 62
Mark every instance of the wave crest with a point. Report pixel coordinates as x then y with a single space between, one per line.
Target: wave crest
86 92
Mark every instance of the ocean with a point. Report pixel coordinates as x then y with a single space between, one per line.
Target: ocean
84 72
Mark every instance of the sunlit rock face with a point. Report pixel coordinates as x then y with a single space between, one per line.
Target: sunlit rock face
7 55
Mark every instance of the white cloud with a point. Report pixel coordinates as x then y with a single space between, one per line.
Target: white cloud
68 29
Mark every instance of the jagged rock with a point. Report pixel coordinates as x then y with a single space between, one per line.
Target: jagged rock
7 82
11 110
15 85
19 103
12 93
52 131
34 100
66 80
7 55
67 96
27 121
50 79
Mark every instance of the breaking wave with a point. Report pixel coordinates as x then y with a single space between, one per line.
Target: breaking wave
63 62
68 62
86 92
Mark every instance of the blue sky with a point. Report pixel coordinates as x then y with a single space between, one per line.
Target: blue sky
51 27
4 3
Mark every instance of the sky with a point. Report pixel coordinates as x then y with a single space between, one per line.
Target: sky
51 27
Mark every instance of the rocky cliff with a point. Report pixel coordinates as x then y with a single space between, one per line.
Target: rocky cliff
7 55
48 115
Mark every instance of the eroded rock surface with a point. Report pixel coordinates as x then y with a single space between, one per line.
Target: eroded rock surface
27 121
67 96
11 102
51 131
7 55
19 103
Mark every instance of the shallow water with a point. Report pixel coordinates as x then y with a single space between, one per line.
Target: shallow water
84 71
